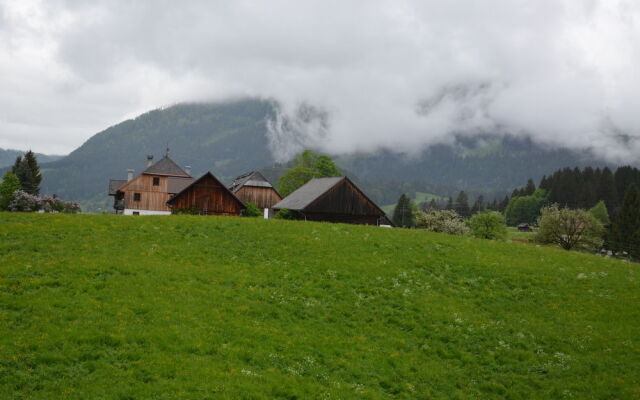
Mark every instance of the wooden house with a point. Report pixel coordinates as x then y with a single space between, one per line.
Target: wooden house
206 196
253 187
335 199
148 193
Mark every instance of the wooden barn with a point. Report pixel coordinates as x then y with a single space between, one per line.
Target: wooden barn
147 194
333 200
206 196
255 188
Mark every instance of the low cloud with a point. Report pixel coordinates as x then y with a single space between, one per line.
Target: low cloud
354 76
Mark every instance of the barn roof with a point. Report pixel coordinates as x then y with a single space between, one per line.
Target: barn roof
253 178
307 193
195 181
176 184
114 185
166 166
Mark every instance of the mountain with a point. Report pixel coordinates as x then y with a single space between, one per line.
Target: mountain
231 138
8 157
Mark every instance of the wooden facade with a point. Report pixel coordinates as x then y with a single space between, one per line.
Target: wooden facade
263 197
207 196
148 193
142 194
334 200
253 187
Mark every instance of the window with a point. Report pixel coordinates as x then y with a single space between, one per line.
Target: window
136 213
156 181
136 197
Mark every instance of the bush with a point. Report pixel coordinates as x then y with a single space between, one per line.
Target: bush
525 208
10 183
569 228
252 210
24 202
445 221
488 225
599 211
286 214
53 204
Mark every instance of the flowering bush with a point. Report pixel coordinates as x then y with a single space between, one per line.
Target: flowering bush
24 202
445 221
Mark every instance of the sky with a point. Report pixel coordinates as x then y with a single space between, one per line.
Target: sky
350 76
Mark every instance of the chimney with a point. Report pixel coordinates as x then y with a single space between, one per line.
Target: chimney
129 175
187 169
149 160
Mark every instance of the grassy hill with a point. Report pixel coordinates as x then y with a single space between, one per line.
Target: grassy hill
111 307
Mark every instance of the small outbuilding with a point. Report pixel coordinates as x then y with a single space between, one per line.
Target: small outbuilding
524 227
253 187
335 199
206 196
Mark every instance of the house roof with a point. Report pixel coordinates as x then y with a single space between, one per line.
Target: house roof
253 178
178 194
176 184
307 193
114 185
166 166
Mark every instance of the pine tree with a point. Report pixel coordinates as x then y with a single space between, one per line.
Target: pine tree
503 204
607 190
625 233
36 176
478 205
529 188
462 205
432 205
449 205
16 164
25 176
403 213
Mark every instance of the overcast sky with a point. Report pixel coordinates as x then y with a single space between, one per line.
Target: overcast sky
399 74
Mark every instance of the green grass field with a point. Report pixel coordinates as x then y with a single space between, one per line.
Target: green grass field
513 233
183 307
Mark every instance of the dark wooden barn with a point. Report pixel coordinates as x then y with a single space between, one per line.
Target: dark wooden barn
333 200
255 188
207 196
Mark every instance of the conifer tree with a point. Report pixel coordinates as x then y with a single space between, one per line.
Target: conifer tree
449 205
607 190
462 205
403 214
36 176
503 204
478 205
529 188
625 233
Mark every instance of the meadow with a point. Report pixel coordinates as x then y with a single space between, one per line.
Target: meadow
187 307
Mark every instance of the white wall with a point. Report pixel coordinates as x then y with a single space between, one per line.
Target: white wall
130 211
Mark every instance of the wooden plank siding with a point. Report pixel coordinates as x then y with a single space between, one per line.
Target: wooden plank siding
151 197
208 196
263 197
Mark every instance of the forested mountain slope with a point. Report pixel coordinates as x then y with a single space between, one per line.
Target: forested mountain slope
231 138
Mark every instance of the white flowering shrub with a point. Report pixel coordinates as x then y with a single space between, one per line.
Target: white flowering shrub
445 221
24 202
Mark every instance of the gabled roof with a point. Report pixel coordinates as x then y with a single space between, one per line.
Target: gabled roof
166 166
198 180
114 185
177 184
253 178
308 193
